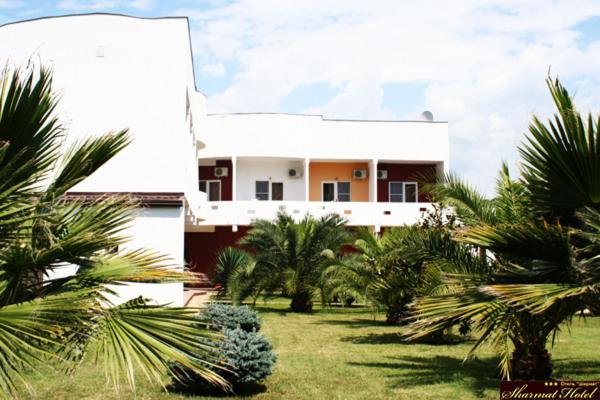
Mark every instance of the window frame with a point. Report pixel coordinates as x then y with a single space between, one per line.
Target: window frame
256 192
404 183
208 182
416 192
336 191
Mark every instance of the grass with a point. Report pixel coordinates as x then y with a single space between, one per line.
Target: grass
350 354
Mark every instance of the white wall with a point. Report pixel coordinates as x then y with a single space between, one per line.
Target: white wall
160 229
114 72
140 83
274 170
300 136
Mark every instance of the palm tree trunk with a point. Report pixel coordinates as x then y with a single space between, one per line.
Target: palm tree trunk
302 302
531 362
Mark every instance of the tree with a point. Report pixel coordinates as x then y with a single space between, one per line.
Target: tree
542 242
57 321
291 256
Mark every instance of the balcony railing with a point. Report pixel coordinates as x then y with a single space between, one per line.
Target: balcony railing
357 213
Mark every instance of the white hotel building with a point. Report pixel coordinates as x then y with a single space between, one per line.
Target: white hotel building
202 178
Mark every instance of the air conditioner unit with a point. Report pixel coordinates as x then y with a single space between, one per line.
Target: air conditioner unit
382 174
294 172
359 174
221 172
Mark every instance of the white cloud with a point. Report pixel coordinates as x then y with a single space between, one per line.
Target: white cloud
87 5
98 5
216 70
483 62
143 4
7 4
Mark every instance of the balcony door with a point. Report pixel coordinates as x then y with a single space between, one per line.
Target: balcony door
212 189
335 191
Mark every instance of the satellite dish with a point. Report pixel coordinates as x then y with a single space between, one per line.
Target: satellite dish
426 116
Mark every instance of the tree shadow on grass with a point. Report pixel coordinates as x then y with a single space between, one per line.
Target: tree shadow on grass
211 391
413 371
354 322
397 338
572 368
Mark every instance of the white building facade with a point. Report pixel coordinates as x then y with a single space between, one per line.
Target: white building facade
203 178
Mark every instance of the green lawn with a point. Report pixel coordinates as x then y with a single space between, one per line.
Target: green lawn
349 354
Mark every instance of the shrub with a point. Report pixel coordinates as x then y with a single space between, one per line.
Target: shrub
246 357
228 317
249 355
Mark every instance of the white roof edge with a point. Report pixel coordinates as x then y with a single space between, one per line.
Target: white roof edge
86 15
234 114
107 14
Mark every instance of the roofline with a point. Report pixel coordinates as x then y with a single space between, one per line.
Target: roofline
325 119
120 15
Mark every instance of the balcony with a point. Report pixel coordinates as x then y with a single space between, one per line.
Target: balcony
356 213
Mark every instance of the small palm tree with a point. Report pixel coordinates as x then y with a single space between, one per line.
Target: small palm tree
290 256
543 241
57 321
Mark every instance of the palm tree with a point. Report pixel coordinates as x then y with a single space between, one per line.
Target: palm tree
57 322
233 277
543 242
291 256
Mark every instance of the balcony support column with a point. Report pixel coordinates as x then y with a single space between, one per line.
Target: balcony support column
306 177
234 228
233 178
373 180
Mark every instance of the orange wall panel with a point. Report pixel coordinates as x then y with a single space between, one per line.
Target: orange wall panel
328 172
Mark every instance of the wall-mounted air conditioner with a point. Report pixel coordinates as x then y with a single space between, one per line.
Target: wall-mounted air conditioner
221 172
359 174
382 174
294 172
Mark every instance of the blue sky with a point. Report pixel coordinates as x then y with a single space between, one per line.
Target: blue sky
479 64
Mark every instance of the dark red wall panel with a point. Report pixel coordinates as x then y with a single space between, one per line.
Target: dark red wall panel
400 172
208 173
201 247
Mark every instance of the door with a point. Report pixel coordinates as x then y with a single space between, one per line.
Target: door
214 190
276 190
328 191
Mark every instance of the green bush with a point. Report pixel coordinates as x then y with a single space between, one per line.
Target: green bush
246 357
227 317
249 355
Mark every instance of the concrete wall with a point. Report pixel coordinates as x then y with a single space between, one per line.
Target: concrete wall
160 229
116 72
330 172
402 173
301 136
201 249
273 170
207 172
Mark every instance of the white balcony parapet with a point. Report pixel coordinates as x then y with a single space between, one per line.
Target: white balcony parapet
224 213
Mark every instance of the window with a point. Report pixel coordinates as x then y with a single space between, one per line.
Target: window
336 191
276 190
212 189
396 192
328 191
262 190
263 193
406 192
410 192
343 191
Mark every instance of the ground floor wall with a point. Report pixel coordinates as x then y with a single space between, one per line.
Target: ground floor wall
201 249
160 229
